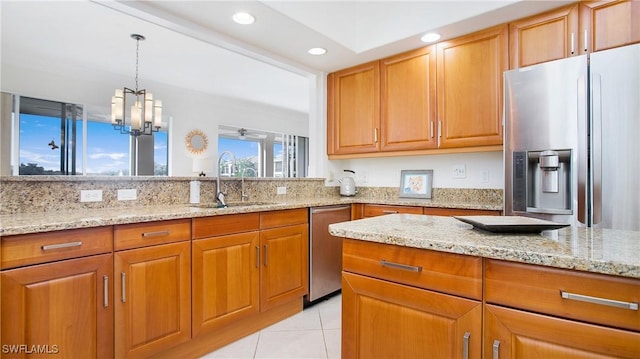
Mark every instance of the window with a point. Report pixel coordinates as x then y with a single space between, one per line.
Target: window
52 141
268 154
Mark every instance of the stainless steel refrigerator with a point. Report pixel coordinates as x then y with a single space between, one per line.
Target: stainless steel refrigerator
572 140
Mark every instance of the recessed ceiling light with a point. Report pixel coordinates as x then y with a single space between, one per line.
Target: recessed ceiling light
243 18
317 51
430 37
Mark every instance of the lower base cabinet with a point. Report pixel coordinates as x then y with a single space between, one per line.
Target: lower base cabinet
511 333
61 309
382 319
152 299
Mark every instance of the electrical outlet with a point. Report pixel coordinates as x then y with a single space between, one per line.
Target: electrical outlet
281 190
484 176
459 171
127 194
93 195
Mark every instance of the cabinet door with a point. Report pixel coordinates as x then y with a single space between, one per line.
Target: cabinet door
225 276
408 100
470 88
153 299
512 333
63 308
549 36
386 320
284 273
609 24
353 113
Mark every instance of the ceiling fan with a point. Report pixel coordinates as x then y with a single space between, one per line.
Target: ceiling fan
244 134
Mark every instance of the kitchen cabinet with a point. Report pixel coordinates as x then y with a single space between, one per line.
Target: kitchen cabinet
544 37
421 303
443 96
57 300
153 292
469 88
437 211
373 210
225 270
353 113
408 101
284 243
609 24
367 210
535 311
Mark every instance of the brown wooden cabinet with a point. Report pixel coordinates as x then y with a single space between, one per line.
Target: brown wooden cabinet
408 101
549 36
353 113
608 24
406 302
535 311
153 290
63 308
284 243
470 88
225 270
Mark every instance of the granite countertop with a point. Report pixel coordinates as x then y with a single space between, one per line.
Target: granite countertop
605 251
23 223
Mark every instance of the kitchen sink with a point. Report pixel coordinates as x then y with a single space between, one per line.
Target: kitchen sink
234 204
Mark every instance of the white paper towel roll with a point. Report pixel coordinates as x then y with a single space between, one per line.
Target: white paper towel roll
194 192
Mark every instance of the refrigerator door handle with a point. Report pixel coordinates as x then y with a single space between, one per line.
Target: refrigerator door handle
582 214
596 152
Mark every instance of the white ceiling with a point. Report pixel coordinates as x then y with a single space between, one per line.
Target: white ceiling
195 44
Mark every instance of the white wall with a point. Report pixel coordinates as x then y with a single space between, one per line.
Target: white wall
385 172
187 109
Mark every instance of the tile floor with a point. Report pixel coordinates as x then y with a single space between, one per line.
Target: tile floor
313 333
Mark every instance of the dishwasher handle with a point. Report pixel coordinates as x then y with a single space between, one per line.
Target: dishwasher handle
315 210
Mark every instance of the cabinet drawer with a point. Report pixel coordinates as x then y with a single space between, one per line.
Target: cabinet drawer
27 249
373 210
433 211
443 272
128 236
589 297
286 217
204 227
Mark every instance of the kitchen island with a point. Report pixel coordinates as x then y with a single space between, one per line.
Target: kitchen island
452 290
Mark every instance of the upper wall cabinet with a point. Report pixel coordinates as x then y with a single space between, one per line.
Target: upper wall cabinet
549 36
576 29
470 88
609 24
408 101
353 111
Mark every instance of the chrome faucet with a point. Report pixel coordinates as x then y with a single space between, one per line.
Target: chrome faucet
219 194
244 194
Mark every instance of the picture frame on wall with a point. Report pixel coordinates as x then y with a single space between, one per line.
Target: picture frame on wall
416 183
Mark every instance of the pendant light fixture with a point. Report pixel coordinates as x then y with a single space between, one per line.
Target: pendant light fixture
145 115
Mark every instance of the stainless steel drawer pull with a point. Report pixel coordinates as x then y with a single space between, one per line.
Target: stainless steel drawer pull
266 255
61 245
105 282
496 349
465 345
388 211
596 300
400 266
156 234
257 257
124 287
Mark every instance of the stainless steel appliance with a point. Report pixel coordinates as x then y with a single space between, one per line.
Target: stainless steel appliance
572 140
325 251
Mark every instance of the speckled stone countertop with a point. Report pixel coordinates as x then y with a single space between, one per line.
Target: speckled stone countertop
612 252
22 223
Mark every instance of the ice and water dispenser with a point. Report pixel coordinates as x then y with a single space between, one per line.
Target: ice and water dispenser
542 181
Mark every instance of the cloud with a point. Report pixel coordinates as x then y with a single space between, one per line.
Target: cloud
113 155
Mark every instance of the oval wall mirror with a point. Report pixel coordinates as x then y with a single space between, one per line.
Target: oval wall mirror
196 142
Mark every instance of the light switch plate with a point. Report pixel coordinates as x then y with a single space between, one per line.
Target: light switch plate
92 195
281 190
459 171
127 194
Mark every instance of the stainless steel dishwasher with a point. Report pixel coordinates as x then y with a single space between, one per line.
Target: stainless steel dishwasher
325 251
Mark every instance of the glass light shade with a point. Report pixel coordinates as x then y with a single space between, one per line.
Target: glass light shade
117 108
157 117
136 116
148 108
